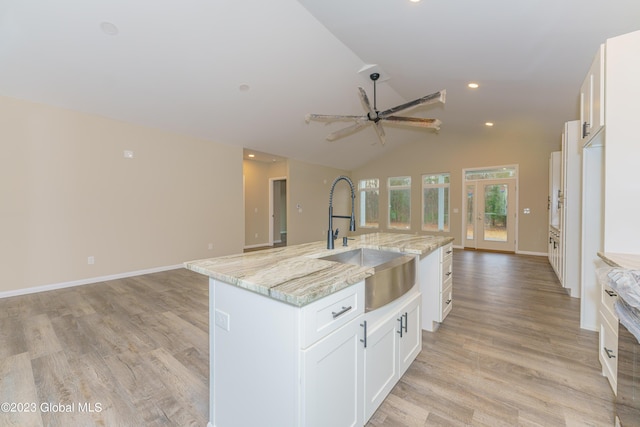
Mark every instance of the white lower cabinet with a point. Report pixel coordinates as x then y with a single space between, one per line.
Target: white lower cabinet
608 354
435 276
325 364
394 339
332 379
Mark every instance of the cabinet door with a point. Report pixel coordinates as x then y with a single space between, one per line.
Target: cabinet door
592 98
410 343
586 115
332 376
380 363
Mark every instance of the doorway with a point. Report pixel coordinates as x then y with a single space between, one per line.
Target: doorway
278 211
489 209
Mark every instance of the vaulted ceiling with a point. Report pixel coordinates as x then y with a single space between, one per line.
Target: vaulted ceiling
246 72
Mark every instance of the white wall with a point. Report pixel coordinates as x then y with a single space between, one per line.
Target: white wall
68 193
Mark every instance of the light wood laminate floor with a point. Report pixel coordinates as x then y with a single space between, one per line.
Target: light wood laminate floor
135 351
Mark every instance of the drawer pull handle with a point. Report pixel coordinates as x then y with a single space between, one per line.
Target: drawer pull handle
406 321
611 293
364 341
449 251
448 301
449 273
610 354
341 312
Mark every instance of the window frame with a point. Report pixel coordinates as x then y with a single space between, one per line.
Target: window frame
390 189
446 210
363 188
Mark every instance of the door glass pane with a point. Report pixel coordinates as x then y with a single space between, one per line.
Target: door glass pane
470 212
495 212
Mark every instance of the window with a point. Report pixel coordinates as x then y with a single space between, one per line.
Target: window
369 196
435 202
400 202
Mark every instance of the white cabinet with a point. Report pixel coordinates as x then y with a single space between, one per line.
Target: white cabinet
276 364
570 207
394 339
435 276
592 98
555 170
333 379
609 158
608 354
555 251
565 209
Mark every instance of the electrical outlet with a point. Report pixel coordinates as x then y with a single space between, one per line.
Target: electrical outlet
91 260
210 246
222 319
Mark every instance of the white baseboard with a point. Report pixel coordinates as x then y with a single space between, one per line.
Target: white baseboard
532 253
54 286
259 245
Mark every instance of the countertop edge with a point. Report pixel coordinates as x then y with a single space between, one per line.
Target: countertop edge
295 275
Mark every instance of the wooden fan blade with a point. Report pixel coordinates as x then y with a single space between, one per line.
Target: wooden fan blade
414 121
380 131
347 131
425 100
365 102
327 118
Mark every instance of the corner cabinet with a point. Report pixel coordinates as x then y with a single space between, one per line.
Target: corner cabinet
435 276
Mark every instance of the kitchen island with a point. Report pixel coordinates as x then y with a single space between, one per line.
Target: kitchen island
291 343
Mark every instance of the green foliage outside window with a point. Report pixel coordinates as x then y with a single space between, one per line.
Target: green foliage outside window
400 202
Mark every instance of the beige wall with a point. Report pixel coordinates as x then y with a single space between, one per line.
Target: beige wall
445 153
68 193
256 204
309 186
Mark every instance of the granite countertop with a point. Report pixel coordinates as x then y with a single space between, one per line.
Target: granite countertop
628 261
295 275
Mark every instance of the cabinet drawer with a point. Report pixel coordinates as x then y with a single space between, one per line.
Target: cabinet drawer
609 297
446 302
447 270
328 314
446 252
609 351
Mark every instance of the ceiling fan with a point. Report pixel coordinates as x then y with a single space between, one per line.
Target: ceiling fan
376 117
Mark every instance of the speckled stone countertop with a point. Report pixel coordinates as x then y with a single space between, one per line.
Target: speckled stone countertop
295 275
628 261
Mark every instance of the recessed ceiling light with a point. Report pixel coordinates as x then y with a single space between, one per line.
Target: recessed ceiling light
489 124
473 85
252 155
109 28
414 1
244 88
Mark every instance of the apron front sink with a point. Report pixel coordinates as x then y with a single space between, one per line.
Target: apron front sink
395 273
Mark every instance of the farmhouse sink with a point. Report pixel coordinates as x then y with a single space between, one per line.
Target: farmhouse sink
395 273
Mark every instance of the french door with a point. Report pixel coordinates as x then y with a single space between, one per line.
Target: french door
490 214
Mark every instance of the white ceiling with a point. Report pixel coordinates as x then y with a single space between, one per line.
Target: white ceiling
179 65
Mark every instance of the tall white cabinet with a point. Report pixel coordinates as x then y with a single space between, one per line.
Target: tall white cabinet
609 100
564 209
